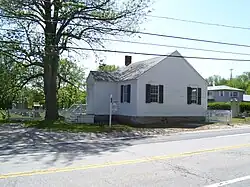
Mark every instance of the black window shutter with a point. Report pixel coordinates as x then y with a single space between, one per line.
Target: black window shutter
199 96
122 87
160 93
129 92
148 93
189 93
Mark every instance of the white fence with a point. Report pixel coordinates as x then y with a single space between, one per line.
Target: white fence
216 116
30 114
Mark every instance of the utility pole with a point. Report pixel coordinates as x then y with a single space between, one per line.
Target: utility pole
231 74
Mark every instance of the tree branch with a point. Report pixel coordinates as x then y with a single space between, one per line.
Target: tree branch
31 78
65 80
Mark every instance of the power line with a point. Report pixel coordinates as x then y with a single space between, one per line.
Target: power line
159 55
161 35
140 53
176 46
151 44
200 22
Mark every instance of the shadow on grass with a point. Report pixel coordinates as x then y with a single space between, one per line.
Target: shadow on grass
19 144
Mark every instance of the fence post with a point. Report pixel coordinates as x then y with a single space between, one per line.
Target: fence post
110 110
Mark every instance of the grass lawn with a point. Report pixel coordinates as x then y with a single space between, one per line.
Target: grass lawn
63 126
240 120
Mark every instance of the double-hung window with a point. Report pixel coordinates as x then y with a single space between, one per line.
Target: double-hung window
193 95
125 93
154 93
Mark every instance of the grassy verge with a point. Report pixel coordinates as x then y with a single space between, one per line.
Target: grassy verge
66 127
240 120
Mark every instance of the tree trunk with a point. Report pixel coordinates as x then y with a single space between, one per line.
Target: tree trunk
51 61
50 90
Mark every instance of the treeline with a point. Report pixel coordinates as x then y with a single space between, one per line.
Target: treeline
241 81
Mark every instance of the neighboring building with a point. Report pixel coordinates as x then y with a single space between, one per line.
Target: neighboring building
224 93
155 91
246 98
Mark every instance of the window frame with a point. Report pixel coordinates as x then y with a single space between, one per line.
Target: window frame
155 95
125 93
194 98
223 93
237 94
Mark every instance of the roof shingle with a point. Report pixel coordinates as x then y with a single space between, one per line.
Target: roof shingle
133 71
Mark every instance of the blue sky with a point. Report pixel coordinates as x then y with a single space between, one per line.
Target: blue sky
221 12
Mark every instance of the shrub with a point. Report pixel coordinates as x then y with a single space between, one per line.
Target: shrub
219 106
244 106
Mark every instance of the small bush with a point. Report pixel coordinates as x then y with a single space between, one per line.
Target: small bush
219 106
244 106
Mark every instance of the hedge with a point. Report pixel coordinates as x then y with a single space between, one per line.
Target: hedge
244 106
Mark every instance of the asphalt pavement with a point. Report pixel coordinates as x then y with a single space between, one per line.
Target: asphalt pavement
209 159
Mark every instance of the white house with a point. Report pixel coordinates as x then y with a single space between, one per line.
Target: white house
156 91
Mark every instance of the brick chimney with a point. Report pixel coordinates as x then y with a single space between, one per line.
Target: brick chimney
128 60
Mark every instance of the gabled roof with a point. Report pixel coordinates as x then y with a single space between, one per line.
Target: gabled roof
223 87
134 70
104 76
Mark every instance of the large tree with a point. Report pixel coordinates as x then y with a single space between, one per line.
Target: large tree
43 29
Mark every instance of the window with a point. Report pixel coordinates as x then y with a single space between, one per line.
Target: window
221 93
193 95
125 93
154 93
235 94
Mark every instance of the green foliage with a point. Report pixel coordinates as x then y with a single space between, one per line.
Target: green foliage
10 82
108 68
241 81
217 80
71 84
69 95
219 106
31 95
244 106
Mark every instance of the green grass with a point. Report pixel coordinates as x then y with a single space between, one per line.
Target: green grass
241 120
66 127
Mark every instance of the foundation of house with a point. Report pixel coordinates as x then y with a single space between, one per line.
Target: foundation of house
152 121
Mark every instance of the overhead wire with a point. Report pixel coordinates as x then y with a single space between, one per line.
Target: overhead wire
160 35
200 22
150 44
140 53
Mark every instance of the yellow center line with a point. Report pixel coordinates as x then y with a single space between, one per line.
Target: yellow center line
119 163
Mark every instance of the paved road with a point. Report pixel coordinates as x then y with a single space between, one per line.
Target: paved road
218 158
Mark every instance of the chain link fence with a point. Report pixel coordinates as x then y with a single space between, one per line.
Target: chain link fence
219 116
